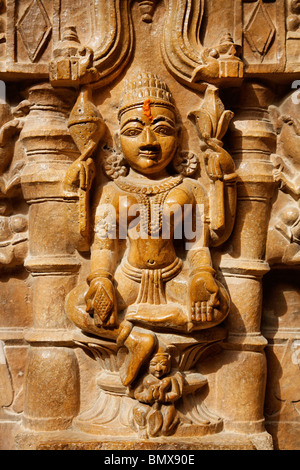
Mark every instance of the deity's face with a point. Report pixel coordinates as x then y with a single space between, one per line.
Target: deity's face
149 140
160 365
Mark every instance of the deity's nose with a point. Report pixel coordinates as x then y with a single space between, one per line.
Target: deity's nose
149 139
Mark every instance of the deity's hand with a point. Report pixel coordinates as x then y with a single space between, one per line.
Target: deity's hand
155 391
159 391
204 297
79 175
101 302
7 133
169 390
9 129
279 177
219 163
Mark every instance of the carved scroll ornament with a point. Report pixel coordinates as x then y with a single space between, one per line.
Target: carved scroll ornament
188 60
186 57
104 57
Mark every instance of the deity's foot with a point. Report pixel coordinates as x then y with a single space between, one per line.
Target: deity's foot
173 317
167 316
139 344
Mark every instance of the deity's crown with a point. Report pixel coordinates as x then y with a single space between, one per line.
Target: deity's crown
144 86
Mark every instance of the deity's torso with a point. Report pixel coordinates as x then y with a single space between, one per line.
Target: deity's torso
152 216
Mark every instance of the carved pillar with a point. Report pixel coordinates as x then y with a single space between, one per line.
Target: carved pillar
252 141
52 377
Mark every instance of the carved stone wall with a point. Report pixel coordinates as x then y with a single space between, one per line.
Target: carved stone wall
149 224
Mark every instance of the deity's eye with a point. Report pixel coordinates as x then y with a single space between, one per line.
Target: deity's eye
132 131
288 120
164 130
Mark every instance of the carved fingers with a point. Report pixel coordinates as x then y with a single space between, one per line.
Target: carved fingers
213 166
10 129
73 177
219 163
202 312
166 391
100 302
277 174
203 297
87 173
278 170
80 175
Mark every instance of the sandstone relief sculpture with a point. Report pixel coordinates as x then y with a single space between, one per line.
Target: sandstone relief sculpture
284 235
13 226
134 294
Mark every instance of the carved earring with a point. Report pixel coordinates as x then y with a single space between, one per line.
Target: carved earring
186 163
115 165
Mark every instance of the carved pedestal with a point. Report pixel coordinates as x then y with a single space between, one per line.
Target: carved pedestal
117 411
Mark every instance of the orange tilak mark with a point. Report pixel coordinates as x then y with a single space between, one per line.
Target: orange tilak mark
147 110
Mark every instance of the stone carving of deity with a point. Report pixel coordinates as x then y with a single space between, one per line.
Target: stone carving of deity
151 267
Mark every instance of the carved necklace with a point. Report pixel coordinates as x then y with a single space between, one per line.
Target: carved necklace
151 199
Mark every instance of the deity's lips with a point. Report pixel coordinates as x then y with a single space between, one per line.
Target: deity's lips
150 154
